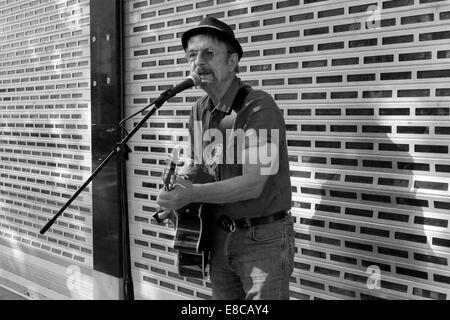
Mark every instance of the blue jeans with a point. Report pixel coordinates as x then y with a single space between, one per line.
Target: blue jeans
254 263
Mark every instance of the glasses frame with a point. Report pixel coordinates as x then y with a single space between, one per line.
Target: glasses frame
211 54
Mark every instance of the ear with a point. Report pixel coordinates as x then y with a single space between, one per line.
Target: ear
232 62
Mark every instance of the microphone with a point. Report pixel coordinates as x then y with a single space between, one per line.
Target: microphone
193 80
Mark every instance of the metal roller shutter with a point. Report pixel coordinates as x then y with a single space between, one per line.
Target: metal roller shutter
364 86
44 146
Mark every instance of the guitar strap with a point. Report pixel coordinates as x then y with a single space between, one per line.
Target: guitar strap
236 106
240 98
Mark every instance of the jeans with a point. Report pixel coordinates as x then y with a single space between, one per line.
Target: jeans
254 263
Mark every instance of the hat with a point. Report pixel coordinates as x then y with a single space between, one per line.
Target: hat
217 27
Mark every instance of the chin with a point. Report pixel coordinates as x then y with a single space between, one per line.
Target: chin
208 84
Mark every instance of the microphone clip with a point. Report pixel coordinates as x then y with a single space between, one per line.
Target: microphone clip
122 150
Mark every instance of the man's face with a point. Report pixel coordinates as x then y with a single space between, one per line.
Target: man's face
213 64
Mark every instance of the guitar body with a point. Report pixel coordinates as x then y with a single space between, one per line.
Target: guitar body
191 240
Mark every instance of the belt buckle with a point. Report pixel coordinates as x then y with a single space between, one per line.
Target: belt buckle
227 223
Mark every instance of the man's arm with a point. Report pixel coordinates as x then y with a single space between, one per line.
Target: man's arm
247 186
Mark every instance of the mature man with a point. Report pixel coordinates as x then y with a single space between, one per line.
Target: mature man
252 238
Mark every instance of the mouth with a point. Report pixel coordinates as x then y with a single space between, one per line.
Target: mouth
203 72
206 77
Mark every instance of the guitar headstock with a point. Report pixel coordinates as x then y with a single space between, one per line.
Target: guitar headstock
170 174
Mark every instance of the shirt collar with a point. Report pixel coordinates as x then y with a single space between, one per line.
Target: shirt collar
225 103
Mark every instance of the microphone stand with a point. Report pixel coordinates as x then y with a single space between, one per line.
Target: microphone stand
122 150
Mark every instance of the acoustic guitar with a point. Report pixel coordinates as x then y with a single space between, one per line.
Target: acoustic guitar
191 225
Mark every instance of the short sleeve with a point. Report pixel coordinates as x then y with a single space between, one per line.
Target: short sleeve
264 119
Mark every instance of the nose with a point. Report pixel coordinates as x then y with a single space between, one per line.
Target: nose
198 63
199 59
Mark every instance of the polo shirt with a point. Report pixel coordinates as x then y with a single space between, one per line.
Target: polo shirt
215 147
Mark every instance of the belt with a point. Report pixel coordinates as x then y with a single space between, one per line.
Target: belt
230 224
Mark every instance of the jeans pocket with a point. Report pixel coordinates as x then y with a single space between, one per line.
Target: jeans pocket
267 232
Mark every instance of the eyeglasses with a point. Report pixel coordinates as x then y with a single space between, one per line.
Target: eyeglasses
206 54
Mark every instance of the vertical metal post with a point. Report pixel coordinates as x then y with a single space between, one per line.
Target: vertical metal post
110 214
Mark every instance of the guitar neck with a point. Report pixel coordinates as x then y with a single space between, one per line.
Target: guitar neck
167 180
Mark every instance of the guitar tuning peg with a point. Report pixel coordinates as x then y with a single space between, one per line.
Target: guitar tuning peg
172 181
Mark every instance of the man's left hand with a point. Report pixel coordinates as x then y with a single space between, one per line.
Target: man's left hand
179 197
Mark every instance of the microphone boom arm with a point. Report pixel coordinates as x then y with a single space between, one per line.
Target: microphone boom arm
121 148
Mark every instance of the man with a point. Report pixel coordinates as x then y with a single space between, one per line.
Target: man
252 238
